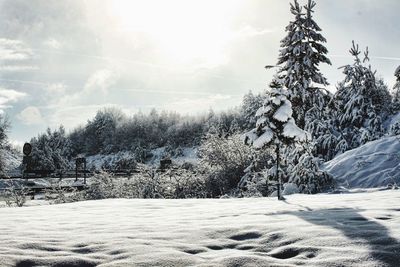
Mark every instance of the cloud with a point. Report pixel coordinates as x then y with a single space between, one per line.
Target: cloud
201 104
249 31
101 79
20 68
52 43
14 50
8 96
76 108
30 116
15 56
72 116
56 89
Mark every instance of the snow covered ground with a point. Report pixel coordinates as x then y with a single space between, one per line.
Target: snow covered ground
311 230
374 164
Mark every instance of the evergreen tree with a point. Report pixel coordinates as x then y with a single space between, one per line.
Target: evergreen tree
250 104
308 176
51 150
302 51
396 92
360 103
4 126
324 135
275 125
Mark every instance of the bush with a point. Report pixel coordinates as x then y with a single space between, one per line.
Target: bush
102 186
15 194
149 183
58 194
223 161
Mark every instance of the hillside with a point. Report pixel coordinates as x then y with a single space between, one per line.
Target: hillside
374 164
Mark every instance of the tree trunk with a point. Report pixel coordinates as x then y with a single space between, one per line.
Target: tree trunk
278 179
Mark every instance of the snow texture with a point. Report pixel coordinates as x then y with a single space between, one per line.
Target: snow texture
264 138
284 112
292 131
308 230
374 164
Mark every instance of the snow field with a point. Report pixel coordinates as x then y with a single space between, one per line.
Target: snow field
310 230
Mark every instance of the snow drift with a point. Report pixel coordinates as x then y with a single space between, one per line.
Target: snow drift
374 164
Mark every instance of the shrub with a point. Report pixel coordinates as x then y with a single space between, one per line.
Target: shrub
223 160
15 194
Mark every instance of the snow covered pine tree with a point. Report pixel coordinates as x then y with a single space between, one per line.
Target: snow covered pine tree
275 125
360 100
396 92
300 55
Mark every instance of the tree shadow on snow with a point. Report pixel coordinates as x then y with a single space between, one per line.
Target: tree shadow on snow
355 226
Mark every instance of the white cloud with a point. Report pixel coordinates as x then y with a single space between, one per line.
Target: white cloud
14 50
202 104
76 108
30 116
72 116
8 96
101 79
20 68
56 89
52 43
249 31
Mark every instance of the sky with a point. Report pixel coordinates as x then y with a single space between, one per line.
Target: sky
62 60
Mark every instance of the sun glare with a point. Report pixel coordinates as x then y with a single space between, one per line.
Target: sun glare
184 30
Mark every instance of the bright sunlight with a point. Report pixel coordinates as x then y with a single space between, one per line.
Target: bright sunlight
182 30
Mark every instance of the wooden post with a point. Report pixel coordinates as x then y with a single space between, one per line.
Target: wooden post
84 172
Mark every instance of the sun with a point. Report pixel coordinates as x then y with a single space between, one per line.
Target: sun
183 30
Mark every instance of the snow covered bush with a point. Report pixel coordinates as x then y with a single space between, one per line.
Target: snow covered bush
148 183
102 186
223 161
308 177
255 184
15 194
185 184
173 183
58 194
